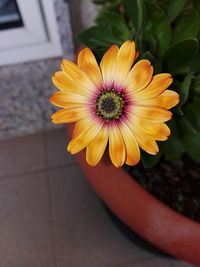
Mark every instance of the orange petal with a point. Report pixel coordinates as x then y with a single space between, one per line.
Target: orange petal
132 148
151 113
88 63
123 63
66 84
85 137
107 64
158 84
168 99
158 131
116 146
65 100
82 124
139 76
69 115
96 148
136 55
78 75
147 143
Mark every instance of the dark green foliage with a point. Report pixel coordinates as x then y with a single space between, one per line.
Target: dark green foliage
157 26
148 160
187 26
174 8
167 33
185 88
179 57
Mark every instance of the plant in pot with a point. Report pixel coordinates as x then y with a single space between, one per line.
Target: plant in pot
119 100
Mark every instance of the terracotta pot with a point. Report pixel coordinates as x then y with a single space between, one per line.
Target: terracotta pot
147 216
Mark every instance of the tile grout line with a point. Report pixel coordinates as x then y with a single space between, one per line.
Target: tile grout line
18 175
53 245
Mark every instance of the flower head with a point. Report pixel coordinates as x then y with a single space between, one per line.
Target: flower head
116 104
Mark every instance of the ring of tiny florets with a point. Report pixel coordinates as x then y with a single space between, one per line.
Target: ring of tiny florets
110 104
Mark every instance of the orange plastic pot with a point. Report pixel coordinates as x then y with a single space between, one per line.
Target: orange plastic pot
143 213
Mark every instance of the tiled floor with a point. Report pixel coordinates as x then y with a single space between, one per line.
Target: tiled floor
49 215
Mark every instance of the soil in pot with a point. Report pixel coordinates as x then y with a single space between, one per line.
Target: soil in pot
177 184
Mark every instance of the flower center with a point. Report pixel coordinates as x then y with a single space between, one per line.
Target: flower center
109 105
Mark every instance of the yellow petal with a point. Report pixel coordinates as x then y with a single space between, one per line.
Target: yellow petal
96 148
116 146
147 143
65 100
139 76
78 75
80 125
88 63
132 149
158 131
158 84
70 115
66 84
151 113
123 63
107 64
168 99
85 137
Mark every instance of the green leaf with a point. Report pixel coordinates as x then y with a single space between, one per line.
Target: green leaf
194 108
196 83
98 37
173 149
196 4
173 127
148 161
185 127
192 114
197 63
179 58
149 56
157 26
135 10
116 21
151 44
187 26
177 110
191 142
185 88
175 7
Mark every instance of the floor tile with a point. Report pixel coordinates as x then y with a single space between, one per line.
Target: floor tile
84 235
177 263
22 155
56 143
25 237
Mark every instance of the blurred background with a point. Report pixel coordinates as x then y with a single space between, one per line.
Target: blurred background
49 216
34 35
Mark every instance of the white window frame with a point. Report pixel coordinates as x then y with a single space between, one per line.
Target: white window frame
37 39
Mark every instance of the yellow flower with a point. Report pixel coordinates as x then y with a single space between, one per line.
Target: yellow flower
117 104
